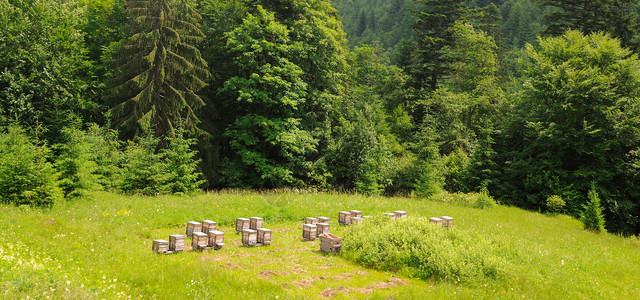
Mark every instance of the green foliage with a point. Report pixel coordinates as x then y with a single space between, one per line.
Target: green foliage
142 168
44 74
105 152
480 200
555 204
180 165
592 217
419 249
74 164
26 177
522 22
159 70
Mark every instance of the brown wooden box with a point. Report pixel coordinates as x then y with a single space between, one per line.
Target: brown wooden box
193 226
176 242
264 236
160 246
356 220
249 237
400 214
447 221
310 220
255 223
323 220
208 225
330 243
309 232
356 213
322 228
344 218
241 224
436 221
199 240
216 239
392 216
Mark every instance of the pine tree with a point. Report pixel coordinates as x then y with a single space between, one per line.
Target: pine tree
159 68
592 218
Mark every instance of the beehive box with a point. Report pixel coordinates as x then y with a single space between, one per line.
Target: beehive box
255 223
241 224
391 216
216 239
436 221
264 236
193 226
309 232
208 225
356 214
447 221
249 237
199 240
400 214
160 246
323 220
310 220
176 242
344 218
356 220
330 243
322 228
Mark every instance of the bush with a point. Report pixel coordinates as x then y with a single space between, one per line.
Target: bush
180 167
480 200
419 249
592 218
74 163
26 177
555 204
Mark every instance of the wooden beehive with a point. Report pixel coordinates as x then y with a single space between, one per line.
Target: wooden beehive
208 225
447 221
176 242
255 223
436 221
400 214
264 236
309 232
193 226
216 239
241 224
344 218
356 220
199 240
160 246
322 228
323 220
392 216
249 237
330 243
310 220
356 214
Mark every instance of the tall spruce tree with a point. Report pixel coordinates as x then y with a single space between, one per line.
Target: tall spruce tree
159 68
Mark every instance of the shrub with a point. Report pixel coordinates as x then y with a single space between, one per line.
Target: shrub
26 177
483 200
555 204
74 163
419 249
592 218
480 200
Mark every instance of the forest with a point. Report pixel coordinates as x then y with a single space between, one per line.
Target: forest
535 103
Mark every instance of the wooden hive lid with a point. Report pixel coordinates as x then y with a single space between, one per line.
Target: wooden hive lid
345 212
355 211
447 218
400 212
249 230
178 236
242 219
264 229
216 232
200 234
310 225
160 242
256 218
209 222
435 219
193 223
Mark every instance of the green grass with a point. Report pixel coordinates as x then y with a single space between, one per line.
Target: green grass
100 247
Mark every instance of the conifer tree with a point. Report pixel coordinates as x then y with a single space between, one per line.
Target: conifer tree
592 217
159 69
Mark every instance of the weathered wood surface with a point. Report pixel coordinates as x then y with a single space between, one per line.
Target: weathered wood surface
322 228
310 220
264 236
160 246
330 243
436 221
323 220
199 239
255 223
242 224
356 220
208 225
193 226
309 232
176 242
391 216
356 214
447 221
344 218
249 237
216 239
400 214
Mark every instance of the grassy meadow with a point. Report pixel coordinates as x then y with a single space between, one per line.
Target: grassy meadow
100 247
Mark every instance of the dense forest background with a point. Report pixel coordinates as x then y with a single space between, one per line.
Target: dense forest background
533 102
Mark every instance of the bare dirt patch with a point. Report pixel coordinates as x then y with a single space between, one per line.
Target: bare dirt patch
215 258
